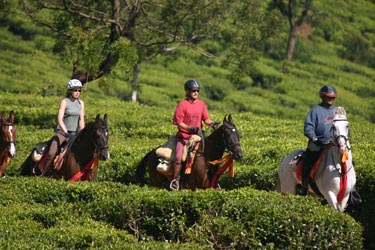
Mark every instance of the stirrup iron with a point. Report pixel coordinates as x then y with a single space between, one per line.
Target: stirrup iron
175 185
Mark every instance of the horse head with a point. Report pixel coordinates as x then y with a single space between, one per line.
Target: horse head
231 138
8 134
101 136
340 131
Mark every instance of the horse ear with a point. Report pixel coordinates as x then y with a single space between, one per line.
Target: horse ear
3 118
11 116
105 118
230 118
97 117
225 119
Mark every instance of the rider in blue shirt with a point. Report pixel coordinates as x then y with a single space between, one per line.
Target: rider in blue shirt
318 130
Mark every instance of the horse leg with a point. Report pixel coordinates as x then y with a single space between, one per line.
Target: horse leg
2 170
198 178
331 198
342 205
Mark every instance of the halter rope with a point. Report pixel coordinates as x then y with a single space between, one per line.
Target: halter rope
93 163
344 171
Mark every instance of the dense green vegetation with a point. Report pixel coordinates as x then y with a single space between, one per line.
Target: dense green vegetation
268 108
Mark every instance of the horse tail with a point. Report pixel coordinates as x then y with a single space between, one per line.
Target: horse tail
278 185
142 167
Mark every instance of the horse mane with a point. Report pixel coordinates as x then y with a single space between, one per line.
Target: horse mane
88 127
339 113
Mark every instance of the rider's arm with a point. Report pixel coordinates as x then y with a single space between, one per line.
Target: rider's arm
183 126
208 122
82 116
309 128
60 116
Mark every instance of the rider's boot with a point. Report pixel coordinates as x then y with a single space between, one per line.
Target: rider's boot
47 167
175 183
306 179
45 171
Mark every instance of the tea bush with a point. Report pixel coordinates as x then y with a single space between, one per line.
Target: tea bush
108 215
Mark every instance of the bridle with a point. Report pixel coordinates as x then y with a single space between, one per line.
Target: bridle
337 138
5 136
230 145
99 147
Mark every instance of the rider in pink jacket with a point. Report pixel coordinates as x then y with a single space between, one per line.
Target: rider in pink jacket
188 116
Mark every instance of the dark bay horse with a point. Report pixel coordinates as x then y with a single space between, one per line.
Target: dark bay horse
203 173
79 159
7 141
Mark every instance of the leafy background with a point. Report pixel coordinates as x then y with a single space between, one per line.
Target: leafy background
268 105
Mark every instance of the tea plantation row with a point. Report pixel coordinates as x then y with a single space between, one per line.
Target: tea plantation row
66 215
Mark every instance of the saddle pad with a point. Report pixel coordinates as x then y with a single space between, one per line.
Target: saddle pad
168 150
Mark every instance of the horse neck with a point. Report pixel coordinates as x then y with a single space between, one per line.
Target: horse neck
334 156
214 144
3 143
84 146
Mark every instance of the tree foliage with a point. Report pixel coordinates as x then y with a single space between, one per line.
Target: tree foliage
86 31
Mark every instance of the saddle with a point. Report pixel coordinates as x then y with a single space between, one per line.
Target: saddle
167 152
298 160
40 152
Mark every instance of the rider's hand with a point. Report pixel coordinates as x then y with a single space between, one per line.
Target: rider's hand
214 124
319 143
69 136
194 130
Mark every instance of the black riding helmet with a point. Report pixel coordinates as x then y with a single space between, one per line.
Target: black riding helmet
190 84
328 90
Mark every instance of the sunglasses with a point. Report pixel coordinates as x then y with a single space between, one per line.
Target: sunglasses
194 90
76 90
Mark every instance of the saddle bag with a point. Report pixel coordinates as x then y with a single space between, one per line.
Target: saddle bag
167 152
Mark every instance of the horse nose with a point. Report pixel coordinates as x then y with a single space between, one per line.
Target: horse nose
12 150
104 155
238 156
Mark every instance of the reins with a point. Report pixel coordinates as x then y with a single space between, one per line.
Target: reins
228 161
343 171
4 141
94 162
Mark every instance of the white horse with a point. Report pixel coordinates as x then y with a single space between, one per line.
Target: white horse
335 176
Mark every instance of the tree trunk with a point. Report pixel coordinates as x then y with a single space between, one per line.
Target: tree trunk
292 41
295 25
136 70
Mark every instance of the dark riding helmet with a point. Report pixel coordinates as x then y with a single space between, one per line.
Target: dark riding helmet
328 90
190 84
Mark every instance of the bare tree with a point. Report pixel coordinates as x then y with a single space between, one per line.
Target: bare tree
98 36
88 30
295 22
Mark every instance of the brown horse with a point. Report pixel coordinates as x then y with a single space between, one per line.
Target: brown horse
80 157
204 172
7 141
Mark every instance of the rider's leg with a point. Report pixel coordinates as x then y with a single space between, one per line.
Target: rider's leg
175 183
308 163
57 140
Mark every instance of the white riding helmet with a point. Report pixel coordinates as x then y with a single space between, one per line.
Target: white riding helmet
74 84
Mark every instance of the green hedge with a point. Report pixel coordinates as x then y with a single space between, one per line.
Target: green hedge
58 214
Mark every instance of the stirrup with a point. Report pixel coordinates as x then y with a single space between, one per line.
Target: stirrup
175 185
